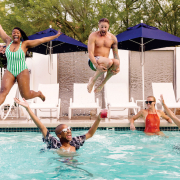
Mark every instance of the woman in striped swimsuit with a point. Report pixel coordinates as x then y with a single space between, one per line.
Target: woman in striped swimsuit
16 66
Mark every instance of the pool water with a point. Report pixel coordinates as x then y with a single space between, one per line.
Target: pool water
107 155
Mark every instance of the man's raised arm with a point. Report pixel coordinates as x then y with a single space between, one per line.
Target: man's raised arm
94 127
38 123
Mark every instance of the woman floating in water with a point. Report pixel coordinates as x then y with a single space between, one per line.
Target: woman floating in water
151 117
16 66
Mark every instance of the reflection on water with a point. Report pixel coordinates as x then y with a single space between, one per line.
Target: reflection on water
72 164
107 155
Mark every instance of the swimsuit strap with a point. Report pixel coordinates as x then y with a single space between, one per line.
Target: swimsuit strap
10 44
155 111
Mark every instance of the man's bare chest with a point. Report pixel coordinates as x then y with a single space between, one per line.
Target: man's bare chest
103 43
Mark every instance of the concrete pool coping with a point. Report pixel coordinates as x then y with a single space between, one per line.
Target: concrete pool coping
76 122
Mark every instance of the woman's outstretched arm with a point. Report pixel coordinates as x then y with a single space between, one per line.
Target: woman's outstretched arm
139 114
36 42
4 36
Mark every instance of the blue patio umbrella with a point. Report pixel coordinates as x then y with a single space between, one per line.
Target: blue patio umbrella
143 38
62 44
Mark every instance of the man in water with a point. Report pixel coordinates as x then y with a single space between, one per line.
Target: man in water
63 132
99 45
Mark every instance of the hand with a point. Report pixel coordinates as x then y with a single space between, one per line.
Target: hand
162 99
115 71
170 121
132 127
99 116
24 104
59 33
101 68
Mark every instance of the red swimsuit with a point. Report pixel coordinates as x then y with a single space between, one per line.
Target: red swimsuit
152 123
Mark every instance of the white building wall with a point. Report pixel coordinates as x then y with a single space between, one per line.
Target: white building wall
39 66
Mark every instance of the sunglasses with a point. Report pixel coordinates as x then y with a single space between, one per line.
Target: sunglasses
149 102
65 130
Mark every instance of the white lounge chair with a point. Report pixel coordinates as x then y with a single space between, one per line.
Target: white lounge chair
52 102
82 99
166 89
116 98
9 102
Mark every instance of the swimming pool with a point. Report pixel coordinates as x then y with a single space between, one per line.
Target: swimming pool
107 155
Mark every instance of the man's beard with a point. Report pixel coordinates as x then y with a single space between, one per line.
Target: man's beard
102 33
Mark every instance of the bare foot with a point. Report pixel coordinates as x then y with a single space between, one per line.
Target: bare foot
99 88
42 96
90 85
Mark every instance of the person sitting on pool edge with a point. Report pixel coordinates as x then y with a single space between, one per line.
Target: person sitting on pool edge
63 132
151 117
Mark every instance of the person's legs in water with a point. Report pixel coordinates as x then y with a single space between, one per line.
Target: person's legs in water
23 80
111 71
107 63
7 82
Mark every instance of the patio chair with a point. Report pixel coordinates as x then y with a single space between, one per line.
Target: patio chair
52 102
9 102
82 99
166 89
116 98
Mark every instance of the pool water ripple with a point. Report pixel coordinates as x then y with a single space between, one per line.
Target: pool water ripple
108 155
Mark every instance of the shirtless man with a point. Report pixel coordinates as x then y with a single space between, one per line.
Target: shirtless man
99 45
63 132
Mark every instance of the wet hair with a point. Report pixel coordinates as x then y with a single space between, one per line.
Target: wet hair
104 20
23 34
152 97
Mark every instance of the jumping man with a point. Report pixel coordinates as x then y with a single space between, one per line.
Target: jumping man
99 45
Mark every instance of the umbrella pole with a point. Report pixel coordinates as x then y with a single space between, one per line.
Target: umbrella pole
142 64
50 53
50 48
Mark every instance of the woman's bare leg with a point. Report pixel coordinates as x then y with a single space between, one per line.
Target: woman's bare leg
160 133
149 134
6 85
23 80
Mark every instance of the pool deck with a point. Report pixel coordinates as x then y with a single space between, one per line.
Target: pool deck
76 122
